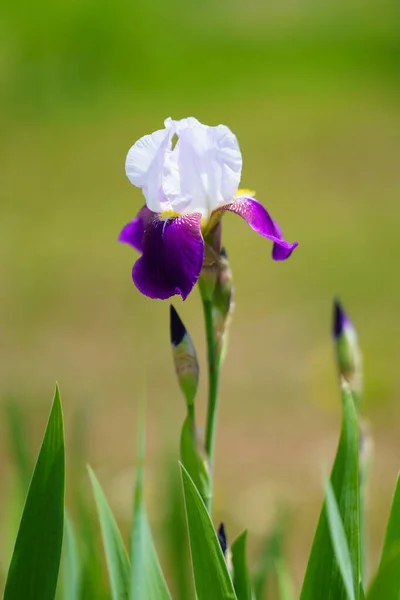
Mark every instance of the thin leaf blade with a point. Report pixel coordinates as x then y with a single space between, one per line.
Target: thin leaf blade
71 588
339 541
323 578
36 558
116 556
241 577
192 460
147 578
392 536
271 553
211 576
176 543
385 585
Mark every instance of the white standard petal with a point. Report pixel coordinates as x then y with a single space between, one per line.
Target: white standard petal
188 122
141 156
203 171
144 165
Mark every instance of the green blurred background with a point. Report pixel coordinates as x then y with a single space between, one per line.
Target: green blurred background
312 92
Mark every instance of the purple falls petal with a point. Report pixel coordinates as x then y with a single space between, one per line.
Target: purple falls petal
133 232
173 254
258 218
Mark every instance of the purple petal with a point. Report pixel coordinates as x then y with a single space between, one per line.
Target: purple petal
173 254
258 218
133 232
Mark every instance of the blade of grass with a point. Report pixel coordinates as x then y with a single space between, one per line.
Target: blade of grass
270 553
93 576
211 576
392 536
241 577
385 585
284 581
35 561
71 579
323 578
175 538
116 556
192 460
147 579
339 542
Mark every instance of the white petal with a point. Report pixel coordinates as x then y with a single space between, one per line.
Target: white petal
229 159
143 166
141 156
189 122
203 171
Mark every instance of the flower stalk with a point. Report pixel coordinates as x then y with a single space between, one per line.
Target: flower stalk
213 379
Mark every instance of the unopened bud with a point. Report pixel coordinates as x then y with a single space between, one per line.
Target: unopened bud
222 538
348 355
222 301
223 541
185 359
224 287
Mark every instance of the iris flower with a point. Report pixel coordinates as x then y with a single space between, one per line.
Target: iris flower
189 174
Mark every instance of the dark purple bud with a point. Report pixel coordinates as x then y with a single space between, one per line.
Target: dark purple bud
185 359
340 319
177 328
348 355
222 538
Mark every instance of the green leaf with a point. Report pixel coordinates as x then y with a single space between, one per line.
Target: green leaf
270 554
116 557
339 541
272 564
147 579
211 577
71 573
193 462
392 536
284 581
385 585
94 581
323 579
241 577
176 543
35 561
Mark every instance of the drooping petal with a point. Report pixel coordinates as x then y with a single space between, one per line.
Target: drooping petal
173 254
144 165
281 251
133 231
203 170
258 218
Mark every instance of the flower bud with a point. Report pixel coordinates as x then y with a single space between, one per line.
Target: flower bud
223 541
222 538
185 359
222 301
348 353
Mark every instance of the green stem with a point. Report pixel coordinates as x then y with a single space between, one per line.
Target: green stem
213 372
